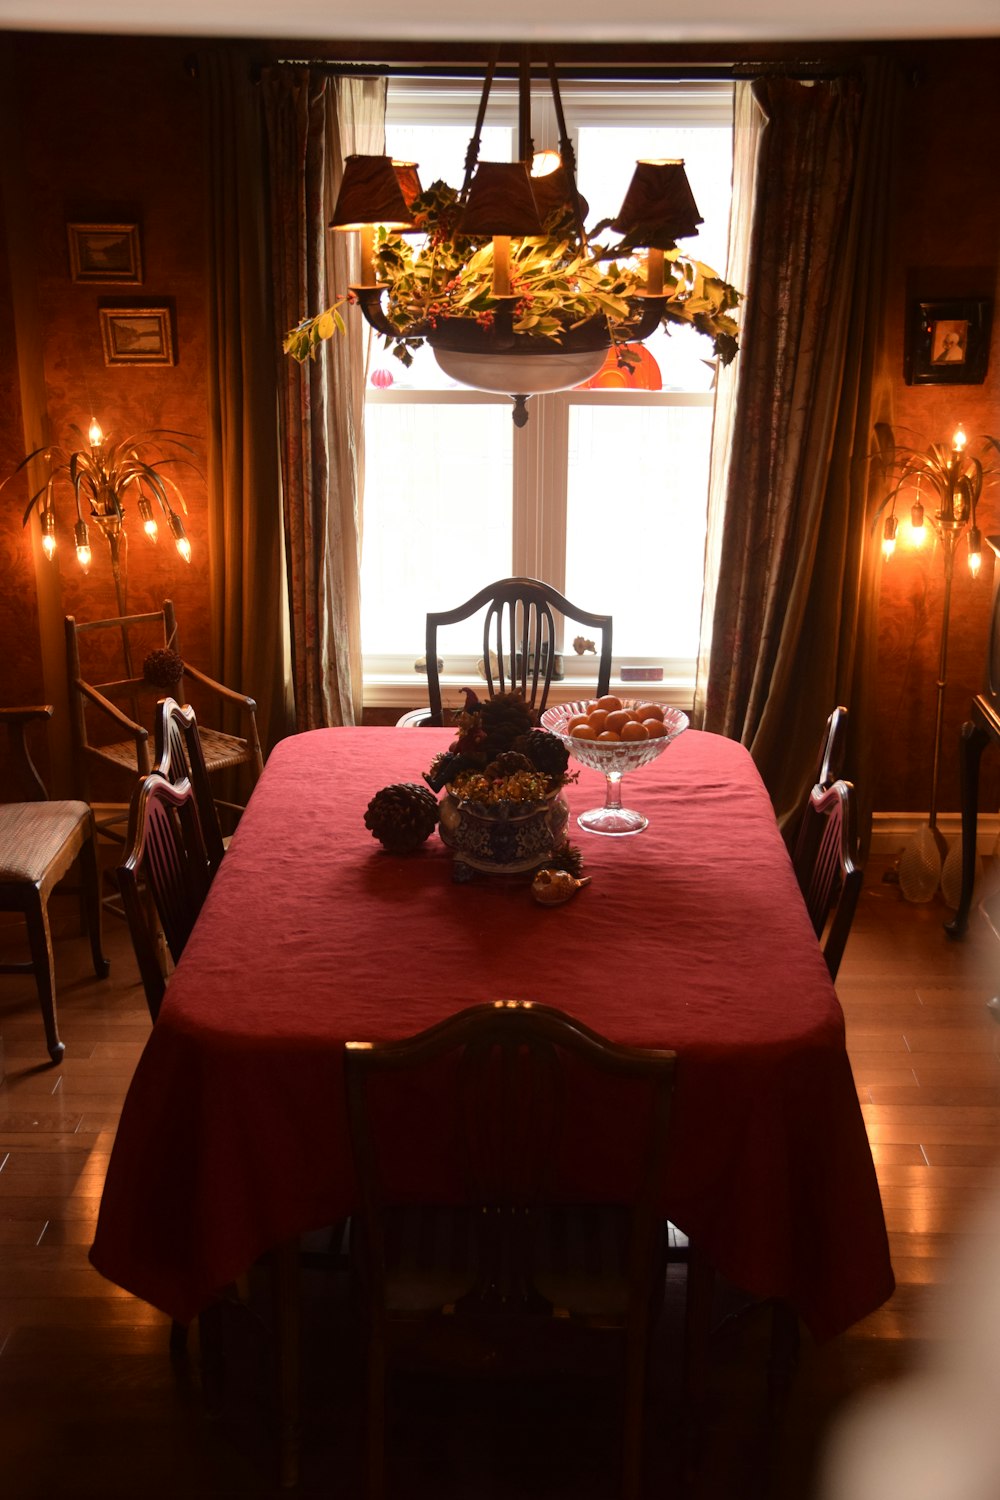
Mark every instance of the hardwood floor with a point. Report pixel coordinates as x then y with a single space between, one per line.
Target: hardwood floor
92 1406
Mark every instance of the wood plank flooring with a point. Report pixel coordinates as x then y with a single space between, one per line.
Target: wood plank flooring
91 1404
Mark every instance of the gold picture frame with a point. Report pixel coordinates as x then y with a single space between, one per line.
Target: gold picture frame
137 335
108 253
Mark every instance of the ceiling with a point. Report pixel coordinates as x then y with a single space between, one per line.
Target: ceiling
518 20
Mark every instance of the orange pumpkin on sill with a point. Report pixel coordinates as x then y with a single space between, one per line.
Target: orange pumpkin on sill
642 376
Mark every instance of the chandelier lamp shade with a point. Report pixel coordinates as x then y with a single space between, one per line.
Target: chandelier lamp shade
506 285
102 478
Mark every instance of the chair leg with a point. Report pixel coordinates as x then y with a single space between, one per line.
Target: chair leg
694 1380
90 885
40 938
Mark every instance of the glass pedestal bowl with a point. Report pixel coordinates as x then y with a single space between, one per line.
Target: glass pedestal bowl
614 759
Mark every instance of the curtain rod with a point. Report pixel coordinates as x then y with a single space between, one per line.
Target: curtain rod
581 73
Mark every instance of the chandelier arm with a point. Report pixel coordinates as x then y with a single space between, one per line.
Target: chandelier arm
525 144
370 303
472 152
567 154
648 313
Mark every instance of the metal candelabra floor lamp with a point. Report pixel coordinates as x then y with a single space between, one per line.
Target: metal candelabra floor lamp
954 478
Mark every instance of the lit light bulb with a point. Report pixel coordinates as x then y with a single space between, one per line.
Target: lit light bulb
889 536
975 550
918 530
49 534
544 162
180 536
149 525
95 435
959 441
83 553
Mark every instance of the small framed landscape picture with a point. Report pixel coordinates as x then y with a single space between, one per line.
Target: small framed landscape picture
137 335
105 252
948 343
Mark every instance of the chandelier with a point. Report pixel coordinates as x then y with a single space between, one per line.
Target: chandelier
507 286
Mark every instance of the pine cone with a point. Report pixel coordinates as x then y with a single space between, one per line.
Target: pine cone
402 816
503 718
507 762
545 751
163 669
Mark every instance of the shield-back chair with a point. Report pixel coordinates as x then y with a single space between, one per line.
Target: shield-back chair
516 1274
519 642
827 867
180 756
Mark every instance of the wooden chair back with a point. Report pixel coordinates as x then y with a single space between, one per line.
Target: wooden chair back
519 639
180 757
827 867
520 1246
111 701
164 877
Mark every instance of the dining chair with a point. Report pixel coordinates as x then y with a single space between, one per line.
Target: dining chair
827 867
180 756
519 1272
39 841
519 643
164 877
110 717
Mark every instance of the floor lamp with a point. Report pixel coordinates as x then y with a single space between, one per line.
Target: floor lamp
954 478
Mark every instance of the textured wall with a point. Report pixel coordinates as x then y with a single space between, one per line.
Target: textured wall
946 244
109 131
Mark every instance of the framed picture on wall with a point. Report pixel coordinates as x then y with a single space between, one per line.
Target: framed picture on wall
137 335
105 252
948 342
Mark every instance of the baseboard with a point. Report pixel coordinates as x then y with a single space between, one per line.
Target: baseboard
891 830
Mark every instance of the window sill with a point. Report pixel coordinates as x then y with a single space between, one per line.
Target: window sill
404 690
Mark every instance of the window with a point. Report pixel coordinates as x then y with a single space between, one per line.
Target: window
603 492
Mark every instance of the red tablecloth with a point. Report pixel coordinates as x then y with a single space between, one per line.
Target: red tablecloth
692 935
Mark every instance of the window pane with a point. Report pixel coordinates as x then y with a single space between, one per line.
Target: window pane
635 526
437 517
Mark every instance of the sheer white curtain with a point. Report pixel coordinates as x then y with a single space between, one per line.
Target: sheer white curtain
748 123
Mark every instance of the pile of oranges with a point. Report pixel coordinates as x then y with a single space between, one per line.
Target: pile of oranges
609 719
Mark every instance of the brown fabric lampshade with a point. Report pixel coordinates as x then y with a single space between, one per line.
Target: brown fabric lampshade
500 201
376 190
551 194
659 207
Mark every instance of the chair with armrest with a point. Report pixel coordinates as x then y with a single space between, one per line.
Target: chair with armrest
515 1273
164 877
110 717
826 864
39 840
180 756
519 642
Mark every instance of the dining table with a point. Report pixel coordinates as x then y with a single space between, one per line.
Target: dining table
691 935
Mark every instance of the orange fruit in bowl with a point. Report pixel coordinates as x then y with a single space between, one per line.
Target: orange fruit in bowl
574 721
609 736
583 731
650 711
617 719
635 731
598 719
609 702
655 728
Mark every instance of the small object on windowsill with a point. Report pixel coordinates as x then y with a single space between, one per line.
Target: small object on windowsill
581 645
642 674
421 665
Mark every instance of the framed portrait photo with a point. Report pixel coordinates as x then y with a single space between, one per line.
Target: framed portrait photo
105 253
948 343
137 335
